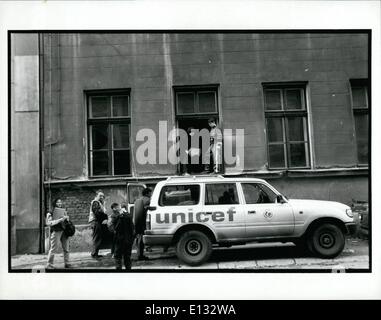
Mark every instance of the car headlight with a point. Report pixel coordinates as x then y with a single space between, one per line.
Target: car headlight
349 213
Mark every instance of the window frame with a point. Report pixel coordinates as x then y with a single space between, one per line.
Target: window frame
218 204
196 90
260 185
364 84
159 201
284 114
109 122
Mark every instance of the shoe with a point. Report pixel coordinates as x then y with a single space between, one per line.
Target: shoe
68 265
96 256
49 266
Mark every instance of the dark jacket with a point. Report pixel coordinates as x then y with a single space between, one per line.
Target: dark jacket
98 212
122 227
140 215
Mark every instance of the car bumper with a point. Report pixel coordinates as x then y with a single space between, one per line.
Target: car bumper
351 228
157 240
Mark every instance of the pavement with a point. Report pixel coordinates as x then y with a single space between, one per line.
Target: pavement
265 256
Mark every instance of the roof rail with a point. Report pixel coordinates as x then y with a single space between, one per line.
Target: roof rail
194 177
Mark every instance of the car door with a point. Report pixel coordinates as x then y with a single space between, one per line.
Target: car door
223 210
264 217
134 191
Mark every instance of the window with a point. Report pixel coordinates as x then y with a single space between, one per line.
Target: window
196 101
179 195
359 89
109 133
221 193
258 193
286 126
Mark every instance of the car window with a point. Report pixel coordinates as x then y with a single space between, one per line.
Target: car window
221 193
258 193
179 195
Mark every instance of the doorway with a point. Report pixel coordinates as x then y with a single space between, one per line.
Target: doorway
194 106
199 124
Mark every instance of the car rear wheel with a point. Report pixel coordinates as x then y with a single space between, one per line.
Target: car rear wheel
194 248
327 241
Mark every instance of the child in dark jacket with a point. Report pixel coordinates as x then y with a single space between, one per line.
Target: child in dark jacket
122 227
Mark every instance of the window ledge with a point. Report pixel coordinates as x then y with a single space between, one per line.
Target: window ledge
297 173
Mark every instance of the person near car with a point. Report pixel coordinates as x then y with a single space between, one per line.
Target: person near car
215 149
97 217
121 225
57 235
140 213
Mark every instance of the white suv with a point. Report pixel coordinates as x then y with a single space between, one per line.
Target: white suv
195 213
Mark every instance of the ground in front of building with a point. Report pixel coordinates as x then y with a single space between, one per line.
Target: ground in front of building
251 256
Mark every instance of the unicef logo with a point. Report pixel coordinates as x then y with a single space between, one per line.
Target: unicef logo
268 214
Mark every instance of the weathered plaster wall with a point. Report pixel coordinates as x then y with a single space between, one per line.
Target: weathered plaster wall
150 64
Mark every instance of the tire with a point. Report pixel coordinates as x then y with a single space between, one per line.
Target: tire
327 241
194 248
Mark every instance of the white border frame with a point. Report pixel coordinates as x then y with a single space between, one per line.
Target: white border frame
83 15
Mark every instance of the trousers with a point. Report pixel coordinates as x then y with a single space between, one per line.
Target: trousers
123 251
140 245
55 238
97 237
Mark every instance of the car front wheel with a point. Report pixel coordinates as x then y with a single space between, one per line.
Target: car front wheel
327 241
194 248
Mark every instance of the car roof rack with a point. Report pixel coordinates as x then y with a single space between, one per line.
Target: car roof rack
194 177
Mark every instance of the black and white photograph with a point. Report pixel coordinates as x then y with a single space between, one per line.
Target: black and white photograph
141 152
96 142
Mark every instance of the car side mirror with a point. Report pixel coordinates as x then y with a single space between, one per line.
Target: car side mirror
280 199
151 208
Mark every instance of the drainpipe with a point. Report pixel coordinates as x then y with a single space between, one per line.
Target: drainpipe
41 140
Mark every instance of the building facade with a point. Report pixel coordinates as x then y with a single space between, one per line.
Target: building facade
301 98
